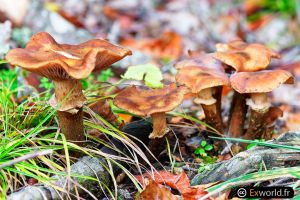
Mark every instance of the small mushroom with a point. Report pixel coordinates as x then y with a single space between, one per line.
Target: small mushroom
143 101
205 80
245 57
258 85
66 65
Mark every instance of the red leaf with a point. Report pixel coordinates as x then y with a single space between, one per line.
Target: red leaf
154 191
179 182
164 177
193 193
168 45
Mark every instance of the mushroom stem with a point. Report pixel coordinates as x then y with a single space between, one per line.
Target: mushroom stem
256 125
159 125
273 114
212 117
72 126
266 126
210 107
259 108
70 99
237 117
218 97
259 102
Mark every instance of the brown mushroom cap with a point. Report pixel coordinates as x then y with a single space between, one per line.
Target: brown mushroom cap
260 81
144 101
198 78
233 45
245 57
44 56
203 60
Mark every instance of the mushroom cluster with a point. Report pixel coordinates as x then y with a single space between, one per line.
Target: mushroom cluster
251 83
241 66
205 77
66 65
237 64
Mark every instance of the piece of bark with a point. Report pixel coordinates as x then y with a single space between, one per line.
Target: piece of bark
251 160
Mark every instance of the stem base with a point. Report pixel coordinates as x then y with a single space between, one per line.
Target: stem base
71 125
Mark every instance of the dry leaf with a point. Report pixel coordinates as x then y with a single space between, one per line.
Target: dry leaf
169 45
154 191
179 182
125 117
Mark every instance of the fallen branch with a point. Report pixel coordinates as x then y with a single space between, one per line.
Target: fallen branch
251 161
86 166
251 178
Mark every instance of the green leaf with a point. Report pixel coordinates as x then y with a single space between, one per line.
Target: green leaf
150 73
46 84
208 147
199 151
203 143
105 75
85 84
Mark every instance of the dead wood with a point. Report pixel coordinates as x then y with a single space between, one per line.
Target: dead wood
252 160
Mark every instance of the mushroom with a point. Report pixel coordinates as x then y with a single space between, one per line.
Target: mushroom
66 65
143 101
205 79
201 60
258 85
245 57
242 57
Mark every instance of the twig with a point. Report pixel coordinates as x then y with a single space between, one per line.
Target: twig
26 157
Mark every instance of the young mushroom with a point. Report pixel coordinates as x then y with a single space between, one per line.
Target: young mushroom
258 85
242 57
205 80
143 101
66 65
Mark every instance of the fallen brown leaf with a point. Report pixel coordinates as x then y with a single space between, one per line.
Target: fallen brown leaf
169 45
179 182
155 191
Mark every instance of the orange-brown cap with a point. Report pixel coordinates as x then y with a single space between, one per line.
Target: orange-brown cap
245 57
201 60
44 56
198 78
233 45
260 81
144 101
